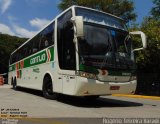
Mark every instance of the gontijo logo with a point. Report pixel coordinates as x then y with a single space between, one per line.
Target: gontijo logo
37 59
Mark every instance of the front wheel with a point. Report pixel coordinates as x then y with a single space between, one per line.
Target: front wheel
48 89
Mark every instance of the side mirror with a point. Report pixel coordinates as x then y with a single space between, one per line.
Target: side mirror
78 23
143 37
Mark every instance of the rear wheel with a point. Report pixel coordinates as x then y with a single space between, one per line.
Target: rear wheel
48 89
14 84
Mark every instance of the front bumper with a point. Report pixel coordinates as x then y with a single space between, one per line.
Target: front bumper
86 87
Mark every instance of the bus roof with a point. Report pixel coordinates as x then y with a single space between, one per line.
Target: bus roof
74 6
98 11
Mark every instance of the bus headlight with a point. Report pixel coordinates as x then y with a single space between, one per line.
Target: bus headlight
87 75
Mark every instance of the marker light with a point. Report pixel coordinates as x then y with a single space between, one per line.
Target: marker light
87 75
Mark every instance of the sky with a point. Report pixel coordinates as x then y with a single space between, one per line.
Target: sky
24 18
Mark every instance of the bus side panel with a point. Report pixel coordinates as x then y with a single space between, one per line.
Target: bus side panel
69 83
11 75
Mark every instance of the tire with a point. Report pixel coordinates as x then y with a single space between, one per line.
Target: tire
48 88
14 84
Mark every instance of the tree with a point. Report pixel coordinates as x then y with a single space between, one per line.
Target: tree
150 27
148 60
148 67
121 8
152 55
156 9
7 45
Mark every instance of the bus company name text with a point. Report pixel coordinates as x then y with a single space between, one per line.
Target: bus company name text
37 59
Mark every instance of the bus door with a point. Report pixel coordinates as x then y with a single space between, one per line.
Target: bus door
66 53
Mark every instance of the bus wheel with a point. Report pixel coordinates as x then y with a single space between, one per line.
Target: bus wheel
48 89
14 84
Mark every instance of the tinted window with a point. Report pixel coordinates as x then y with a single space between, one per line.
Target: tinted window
41 41
66 47
47 37
14 57
97 41
100 18
35 44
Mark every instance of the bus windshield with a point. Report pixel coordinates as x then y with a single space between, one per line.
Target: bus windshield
96 17
105 45
104 48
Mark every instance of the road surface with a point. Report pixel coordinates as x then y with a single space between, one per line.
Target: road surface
31 103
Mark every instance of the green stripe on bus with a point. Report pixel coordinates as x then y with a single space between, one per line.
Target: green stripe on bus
110 72
122 72
39 58
88 69
12 67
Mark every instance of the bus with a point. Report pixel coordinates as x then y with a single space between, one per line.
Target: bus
82 52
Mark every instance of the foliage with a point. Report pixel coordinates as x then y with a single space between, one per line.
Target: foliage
121 8
148 60
156 9
7 45
149 57
152 55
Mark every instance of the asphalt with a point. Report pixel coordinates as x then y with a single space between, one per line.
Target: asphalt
71 110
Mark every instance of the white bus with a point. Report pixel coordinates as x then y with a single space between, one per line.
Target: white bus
82 52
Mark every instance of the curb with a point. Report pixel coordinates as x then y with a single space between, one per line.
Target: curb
137 96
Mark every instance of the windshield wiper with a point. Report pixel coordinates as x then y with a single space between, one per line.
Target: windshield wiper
106 55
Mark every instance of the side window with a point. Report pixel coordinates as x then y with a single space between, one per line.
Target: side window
29 49
13 58
35 44
47 37
16 56
10 61
66 47
24 51
20 54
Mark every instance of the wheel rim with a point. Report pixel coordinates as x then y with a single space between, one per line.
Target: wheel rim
49 88
14 84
